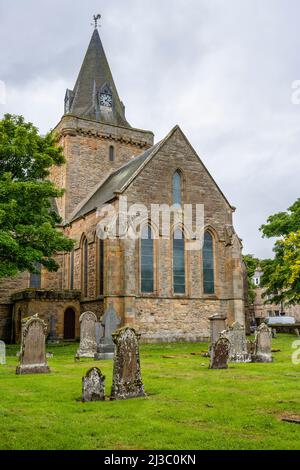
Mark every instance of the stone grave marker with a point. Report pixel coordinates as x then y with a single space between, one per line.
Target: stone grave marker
52 338
2 353
88 344
93 385
217 325
263 344
236 335
127 380
33 347
219 356
110 323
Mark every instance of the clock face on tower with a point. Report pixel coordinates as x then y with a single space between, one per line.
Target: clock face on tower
106 100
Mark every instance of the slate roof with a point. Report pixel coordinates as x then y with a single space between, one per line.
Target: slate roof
95 73
115 183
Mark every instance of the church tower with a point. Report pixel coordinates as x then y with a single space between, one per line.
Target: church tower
93 132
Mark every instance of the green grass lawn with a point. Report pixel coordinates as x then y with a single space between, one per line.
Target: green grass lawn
188 406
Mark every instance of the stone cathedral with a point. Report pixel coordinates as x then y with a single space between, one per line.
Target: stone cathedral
153 283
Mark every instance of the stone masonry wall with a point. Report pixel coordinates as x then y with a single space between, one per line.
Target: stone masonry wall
86 149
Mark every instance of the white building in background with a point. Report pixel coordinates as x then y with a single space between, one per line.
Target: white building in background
263 310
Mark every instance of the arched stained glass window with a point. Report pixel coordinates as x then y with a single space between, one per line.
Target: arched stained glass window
147 259
101 267
178 262
35 278
85 268
72 270
177 188
208 264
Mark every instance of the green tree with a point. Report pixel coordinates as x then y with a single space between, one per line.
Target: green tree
29 232
282 275
251 264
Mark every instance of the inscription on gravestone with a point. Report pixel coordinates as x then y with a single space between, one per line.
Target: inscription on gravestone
33 347
127 379
236 335
88 344
219 355
263 344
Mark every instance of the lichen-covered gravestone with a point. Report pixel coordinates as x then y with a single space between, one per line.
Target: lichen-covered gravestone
127 379
236 335
219 355
263 344
88 344
93 386
33 347
2 353
52 337
110 323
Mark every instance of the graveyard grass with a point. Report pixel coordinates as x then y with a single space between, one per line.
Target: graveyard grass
188 406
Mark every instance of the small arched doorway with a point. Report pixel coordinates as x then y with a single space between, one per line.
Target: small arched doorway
69 324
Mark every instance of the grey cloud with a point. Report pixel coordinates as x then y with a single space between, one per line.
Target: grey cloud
222 69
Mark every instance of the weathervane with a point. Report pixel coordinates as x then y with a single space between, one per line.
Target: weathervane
96 18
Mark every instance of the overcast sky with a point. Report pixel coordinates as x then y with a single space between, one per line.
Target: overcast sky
221 69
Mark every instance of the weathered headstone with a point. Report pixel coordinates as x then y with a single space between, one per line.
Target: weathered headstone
127 379
93 386
217 325
236 335
33 347
52 337
2 353
263 344
219 355
110 323
88 344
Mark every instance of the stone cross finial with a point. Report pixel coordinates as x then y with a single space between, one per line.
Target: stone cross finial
96 18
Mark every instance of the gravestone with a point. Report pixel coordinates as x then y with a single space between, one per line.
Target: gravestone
88 344
2 353
109 323
217 325
52 338
236 335
127 380
263 344
219 355
33 347
93 386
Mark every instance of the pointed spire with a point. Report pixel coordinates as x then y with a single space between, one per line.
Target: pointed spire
95 95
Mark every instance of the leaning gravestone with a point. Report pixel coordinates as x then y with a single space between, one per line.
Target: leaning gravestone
33 349
2 353
263 344
110 323
88 344
127 380
93 386
236 335
219 354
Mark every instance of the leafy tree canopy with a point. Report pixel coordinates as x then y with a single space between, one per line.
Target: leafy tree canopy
282 275
28 221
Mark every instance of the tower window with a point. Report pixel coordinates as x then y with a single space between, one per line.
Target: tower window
111 153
